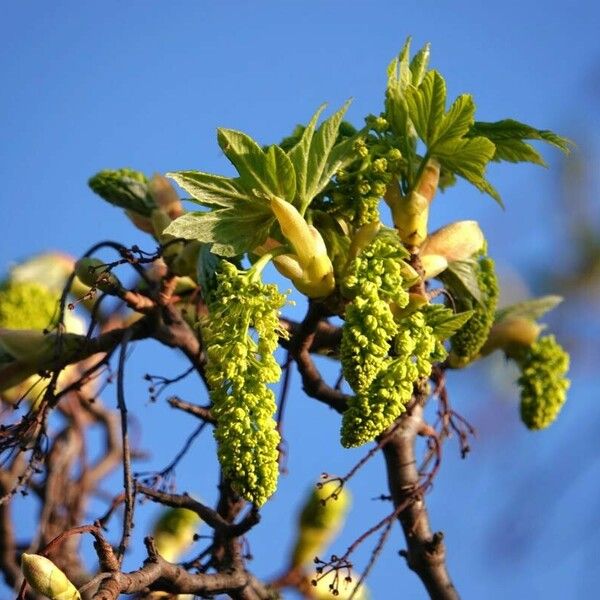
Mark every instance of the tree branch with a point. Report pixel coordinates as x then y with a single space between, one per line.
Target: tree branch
426 553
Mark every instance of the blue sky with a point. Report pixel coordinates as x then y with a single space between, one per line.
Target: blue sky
99 85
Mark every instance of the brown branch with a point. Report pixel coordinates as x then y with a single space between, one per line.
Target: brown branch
426 553
210 516
159 574
127 476
300 348
202 412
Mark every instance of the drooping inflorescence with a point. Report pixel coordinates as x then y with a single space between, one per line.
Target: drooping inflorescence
27 306
382 355
470 338
239 367
543 382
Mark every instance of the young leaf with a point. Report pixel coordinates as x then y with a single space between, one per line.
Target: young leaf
418 65
427 106
231 231
508 136
468 158
532 309
460 278
210 190
444 321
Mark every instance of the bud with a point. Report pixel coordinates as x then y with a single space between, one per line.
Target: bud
411 213
456 241
512 335
47 579
93 272
317 278
125 188
320 520
165 196
25 352
174 532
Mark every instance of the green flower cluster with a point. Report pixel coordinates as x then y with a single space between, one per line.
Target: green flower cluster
360 186
239 367
469 339
374 409
375 279
27 306
543 382
381 357
125 188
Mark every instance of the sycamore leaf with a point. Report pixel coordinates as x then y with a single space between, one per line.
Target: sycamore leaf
419 64
532 309
444 321
231 231
210 190
400 78
460 278
468 158
508 136
427 106
263 173
311 157
456 122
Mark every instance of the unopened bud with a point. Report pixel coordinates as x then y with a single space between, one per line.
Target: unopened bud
317 270
125 188
165 196
456 241
512 335
47 579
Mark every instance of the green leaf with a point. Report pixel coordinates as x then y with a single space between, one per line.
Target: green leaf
247 157
298 155
312 159
508 136
210 190
281 173
419 64
468 158
231 231
460 278
532 309
400 78
456 122
444 321
427 106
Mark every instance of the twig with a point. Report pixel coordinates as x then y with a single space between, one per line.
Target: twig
127 477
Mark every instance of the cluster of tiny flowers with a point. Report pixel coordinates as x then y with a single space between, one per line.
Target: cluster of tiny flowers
374 278
543 382
238 369
469 339
383 383
372 411
27 306
362 184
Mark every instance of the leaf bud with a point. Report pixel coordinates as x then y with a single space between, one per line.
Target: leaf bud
47 579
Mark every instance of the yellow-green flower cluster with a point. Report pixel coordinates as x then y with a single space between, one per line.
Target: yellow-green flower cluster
381 357
374 409
27 306
239 367
375 279
543 382
469 339
362 184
